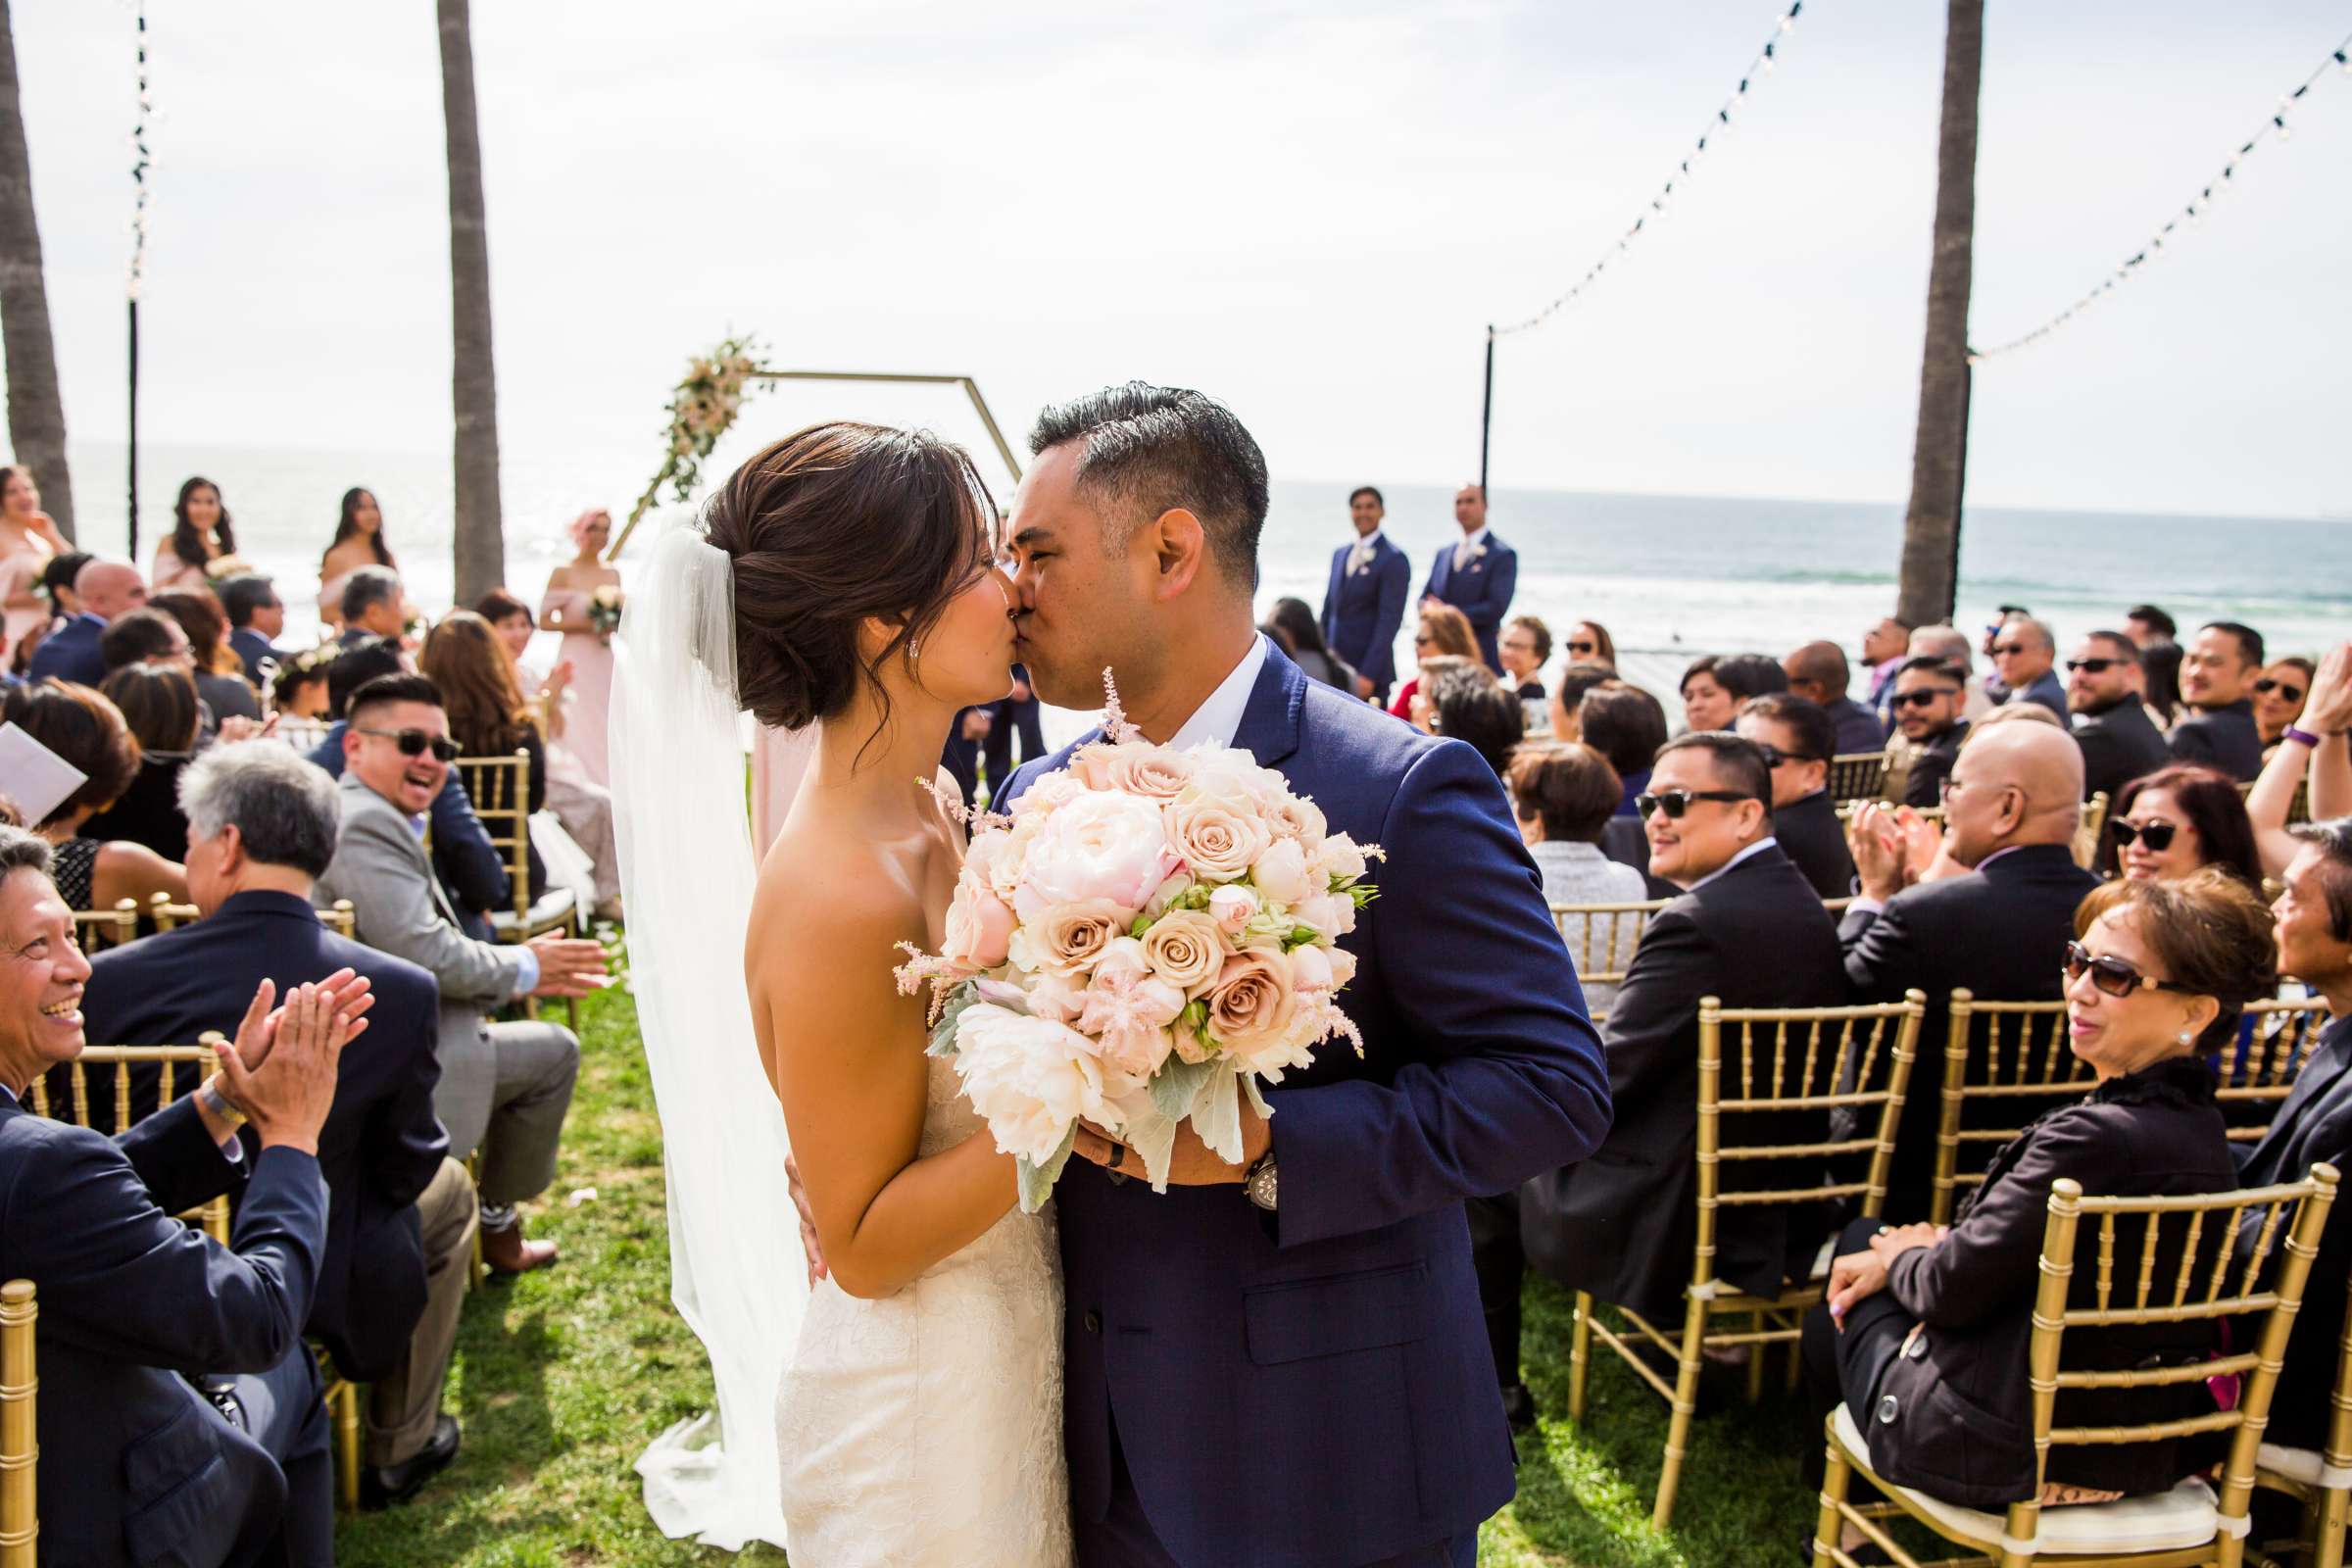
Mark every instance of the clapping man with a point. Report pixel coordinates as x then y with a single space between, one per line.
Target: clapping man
1364 605
504 1087
1477 576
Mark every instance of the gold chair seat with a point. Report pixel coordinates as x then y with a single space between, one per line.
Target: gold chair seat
557 906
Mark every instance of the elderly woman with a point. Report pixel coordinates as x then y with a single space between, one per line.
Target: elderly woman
179 1417
1924 1332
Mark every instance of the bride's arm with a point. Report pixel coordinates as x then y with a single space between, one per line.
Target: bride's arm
851 1073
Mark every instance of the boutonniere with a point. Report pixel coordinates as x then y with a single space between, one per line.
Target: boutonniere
1477 552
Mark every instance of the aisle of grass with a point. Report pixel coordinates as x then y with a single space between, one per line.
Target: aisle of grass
564 1376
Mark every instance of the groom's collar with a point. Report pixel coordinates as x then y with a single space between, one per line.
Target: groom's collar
1218 718
1270 723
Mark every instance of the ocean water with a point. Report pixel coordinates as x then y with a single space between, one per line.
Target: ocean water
1670 576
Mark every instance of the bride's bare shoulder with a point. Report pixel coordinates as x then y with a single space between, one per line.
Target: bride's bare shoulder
824 903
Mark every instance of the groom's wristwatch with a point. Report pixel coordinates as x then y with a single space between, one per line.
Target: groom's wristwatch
1259 1181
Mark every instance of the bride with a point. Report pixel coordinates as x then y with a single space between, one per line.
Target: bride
919 1421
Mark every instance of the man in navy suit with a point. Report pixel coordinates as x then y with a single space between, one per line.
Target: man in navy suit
1477 576
1364 605
401 1212
180 1414
257 618
1284 1360
108 590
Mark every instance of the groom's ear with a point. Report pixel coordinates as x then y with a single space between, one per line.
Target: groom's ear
1180 549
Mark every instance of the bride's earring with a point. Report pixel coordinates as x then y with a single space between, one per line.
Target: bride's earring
914 649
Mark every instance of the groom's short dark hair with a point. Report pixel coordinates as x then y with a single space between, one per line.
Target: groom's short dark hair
1152 449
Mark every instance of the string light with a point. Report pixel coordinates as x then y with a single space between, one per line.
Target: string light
2274 128
1718 127
141 164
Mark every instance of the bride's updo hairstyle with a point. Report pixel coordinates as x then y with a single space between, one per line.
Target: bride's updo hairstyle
831 526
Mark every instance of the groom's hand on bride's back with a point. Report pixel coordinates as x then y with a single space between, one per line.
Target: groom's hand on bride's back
1191 1162
569 966
809 1241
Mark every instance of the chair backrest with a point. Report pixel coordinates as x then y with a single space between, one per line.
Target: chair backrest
180 1069
2208 1283
501 790
20 1444
97 929
2088 829
1601 936
170 917
2011 1060
1764 1073
2277 1038
1858 776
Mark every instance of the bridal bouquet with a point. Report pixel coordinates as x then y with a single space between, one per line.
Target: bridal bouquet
1150 935
604 611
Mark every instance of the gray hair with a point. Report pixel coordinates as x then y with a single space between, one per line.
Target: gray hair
2335 839
1942 642
21 850
2040 630
282 804
367 586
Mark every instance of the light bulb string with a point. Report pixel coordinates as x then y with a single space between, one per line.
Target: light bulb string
2273 128
1764 60
142 163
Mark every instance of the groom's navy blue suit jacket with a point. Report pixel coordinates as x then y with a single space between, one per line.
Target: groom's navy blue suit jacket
1314 1386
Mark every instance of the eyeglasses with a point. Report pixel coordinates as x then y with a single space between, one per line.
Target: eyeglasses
2156 836
1673 803
1583 648
2265 685
1774 757
2093 666
2113 975
1921 696
415 741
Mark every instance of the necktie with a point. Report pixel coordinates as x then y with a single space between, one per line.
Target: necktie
1461 554
1359 557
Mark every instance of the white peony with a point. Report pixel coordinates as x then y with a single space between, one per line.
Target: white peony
1028 1078
1100 846
1339 856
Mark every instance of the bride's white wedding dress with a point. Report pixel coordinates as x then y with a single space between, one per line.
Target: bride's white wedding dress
924 1430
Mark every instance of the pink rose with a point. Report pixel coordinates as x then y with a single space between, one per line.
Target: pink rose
1097 847
1233 907
979 927
1310 971
1092 765
1185 949
1281 872
1151 771
1217 837
1067 938
1251 1007
1295 817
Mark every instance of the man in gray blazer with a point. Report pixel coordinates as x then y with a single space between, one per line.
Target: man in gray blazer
504 1087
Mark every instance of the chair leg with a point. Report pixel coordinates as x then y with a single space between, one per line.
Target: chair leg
571 1012
2329 1544
1756 1353
1686 1403
1580 1356
347 1444
1829 1527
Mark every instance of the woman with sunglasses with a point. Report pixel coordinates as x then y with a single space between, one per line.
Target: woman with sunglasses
2181 820
1924 1334
1442 631
1590 640
2279 696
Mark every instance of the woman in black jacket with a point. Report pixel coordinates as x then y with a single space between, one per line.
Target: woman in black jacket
1924 1333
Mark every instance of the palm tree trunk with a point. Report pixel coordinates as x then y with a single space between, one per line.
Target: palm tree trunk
479 544
1931 570
36 414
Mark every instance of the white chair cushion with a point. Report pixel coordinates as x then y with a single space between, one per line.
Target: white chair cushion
2306 1466
2158 1521
551 907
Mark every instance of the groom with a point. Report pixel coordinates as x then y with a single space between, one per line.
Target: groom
1283 1361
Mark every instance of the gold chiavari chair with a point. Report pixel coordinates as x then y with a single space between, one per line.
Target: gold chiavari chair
2319 1479
1784 1062
342 1400
2013 1055
97 929
1858 776
1601 937
2088 829
2298 806
20 1440
2277 1038
500 788
172 1081
170 917
2189 1524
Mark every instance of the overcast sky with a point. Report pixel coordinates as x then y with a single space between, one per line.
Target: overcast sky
1307 210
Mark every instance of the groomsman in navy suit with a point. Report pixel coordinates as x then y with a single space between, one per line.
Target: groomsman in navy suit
1477 576
1370 581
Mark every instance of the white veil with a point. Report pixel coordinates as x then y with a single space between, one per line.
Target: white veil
687 870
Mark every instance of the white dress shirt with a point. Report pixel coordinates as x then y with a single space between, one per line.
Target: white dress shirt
1467 548
1216 720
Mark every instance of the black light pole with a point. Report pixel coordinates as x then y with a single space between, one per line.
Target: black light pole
1486 418
135 426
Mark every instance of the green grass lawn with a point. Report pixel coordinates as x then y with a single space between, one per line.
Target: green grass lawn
564 1376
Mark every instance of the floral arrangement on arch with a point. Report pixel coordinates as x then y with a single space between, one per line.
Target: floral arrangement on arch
1146 938
700 408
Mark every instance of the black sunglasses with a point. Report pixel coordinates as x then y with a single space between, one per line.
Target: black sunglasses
1583 648
2265 685
416 741
1999 648
2113 975
2156 836
1923 696
1673 803
2093 666
1774 757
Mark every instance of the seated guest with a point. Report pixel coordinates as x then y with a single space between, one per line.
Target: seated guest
88 733
1921 1329
1440 629
107 589
1999 929
2314 930
1626 725
57 581
2278 698
504 1087
1526 647
1293 625
373 606
1818 673
2119 741
1421 692
2025 655
1748 676
1471 705
1795 738
298 689
180 1418
1707 703
487 714
2160 683
257 619
1884 647
2150 627
1590 640
1951 645
399 1211
1929 696
1580 676
471 871
2218 671
220 670
2181 820
1748 929
1563 795
158 703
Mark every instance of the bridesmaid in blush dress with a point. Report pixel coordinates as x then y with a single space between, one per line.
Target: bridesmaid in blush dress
359 542
570 590
28 541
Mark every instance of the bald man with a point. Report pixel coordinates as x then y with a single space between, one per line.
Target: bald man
108 590
2000 929
1818 673
2025 653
